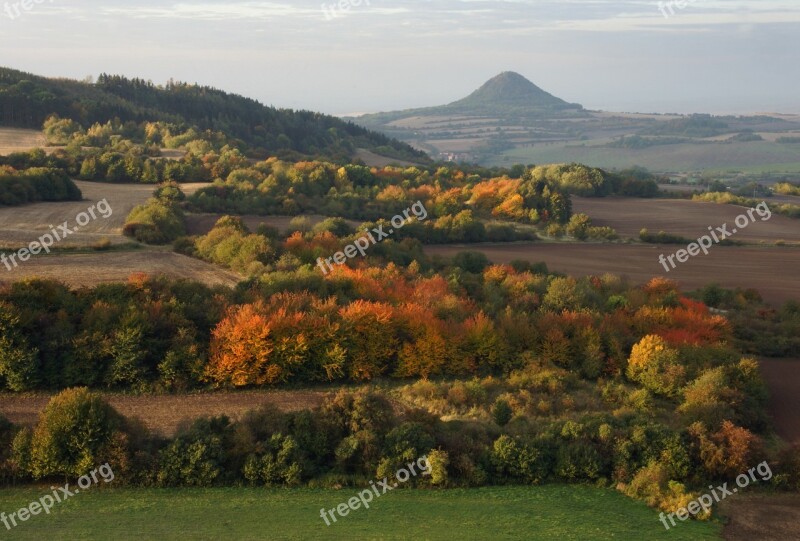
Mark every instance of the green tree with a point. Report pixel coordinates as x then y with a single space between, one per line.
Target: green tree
75 432
19 363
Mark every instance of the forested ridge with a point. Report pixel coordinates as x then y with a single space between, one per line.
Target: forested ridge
27 100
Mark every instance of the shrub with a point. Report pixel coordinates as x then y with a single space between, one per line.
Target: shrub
75 432
438 461
519 461
280 464
653 485
196 458
474 262
502 412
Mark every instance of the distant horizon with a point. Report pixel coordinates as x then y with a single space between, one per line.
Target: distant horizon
610 109
713 56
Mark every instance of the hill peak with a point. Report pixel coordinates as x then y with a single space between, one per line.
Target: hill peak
510 89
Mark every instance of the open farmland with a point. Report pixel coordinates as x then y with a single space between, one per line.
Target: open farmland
107 267
690 219
753 157
21 225
761 516
18 140
729 266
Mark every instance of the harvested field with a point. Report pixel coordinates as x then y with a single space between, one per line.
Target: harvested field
105 267
19 140
21 225
690 219
772 271
783 378
766 517
164 414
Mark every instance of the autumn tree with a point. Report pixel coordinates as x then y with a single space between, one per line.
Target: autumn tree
655 365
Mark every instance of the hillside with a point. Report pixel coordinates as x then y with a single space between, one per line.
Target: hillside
508 95
26 100
510 90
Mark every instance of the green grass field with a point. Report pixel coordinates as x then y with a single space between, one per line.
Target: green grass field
554 512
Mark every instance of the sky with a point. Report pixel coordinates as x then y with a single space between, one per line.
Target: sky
713 56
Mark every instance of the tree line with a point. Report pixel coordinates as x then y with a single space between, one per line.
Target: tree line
27 100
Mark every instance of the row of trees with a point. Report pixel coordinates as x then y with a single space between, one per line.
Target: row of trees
354 437
35 184
349 325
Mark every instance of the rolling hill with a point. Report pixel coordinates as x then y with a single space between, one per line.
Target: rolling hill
26 100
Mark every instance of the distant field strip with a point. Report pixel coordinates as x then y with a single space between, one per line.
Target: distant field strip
689 219
106 267
164 413
730 266
760 156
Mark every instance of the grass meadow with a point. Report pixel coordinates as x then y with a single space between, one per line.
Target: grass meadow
550 512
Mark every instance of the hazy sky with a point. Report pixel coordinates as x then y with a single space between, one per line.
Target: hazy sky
723 56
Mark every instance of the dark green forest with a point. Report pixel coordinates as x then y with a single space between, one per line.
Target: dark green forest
27 100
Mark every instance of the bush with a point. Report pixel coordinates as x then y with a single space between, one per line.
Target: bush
160 220
653 485
280 464
502 412
195 458
76 431
519 461
474 262
156 222
36 184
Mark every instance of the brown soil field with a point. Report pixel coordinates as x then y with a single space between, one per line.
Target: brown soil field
18 140
164 413
783 378
690 219
21 225
762 517
772 271
90 269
